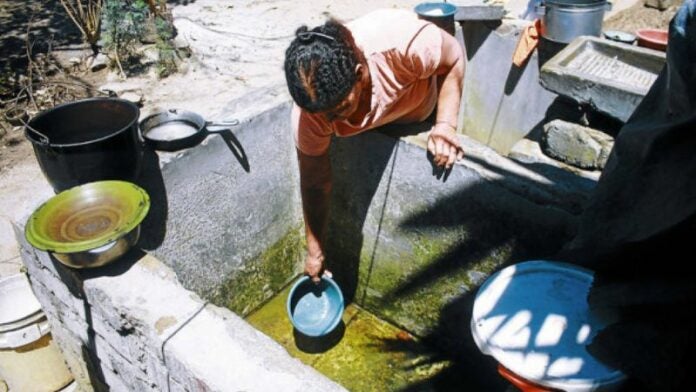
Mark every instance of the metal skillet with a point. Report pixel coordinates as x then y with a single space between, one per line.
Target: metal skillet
177 129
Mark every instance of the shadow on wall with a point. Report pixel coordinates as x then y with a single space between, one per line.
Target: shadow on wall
496 227
74 281
350 202
154 227
488 225
475 34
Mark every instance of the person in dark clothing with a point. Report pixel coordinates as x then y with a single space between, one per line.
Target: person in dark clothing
637 232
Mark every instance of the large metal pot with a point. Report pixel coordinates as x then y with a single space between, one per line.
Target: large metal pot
88 140
564 20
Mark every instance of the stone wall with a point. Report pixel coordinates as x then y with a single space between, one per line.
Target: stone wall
406 242
225 215
131 326
502 103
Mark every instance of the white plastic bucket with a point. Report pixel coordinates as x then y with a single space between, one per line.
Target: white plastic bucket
29 361
533 318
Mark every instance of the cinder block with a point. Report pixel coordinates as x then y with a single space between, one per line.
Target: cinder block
145 301
71 347
54 293
128 370
478 10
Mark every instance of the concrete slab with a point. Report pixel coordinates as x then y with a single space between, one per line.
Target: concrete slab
478 10
609 76
501 103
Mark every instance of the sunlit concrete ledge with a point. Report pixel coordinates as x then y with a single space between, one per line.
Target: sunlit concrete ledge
131 326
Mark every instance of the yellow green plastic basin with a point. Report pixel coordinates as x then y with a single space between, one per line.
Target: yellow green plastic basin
87 216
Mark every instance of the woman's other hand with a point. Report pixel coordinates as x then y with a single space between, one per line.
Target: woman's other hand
443 144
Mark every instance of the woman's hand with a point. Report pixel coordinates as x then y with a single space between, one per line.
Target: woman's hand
443 143
314 267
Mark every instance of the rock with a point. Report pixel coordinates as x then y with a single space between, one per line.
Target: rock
100 62
75 61
150 54
660 4
132 96
576 145
181 42
114 76
476 277
184 52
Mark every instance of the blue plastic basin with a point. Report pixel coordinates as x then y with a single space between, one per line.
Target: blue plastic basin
315 309
440 14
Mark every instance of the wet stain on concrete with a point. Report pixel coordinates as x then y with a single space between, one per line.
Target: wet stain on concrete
368 354
163 323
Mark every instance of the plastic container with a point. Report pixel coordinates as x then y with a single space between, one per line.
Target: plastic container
315 309
533 318
29 361
440 14
620 36
653 38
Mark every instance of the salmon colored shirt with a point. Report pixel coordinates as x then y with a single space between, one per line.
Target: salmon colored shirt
403 54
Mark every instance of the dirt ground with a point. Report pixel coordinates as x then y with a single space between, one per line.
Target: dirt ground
640 16
53 40
53 33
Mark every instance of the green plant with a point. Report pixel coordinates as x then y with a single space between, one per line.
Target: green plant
123 23
87 16
166 64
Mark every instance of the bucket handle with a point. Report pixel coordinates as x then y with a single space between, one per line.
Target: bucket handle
43 139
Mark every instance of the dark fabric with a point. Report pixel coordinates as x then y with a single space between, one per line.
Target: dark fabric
638 232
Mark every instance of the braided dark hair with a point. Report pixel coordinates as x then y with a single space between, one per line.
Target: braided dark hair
320 66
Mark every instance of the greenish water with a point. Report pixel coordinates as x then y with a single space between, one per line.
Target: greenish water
364 354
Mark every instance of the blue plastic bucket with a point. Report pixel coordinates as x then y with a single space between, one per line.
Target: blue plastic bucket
440 14
315 309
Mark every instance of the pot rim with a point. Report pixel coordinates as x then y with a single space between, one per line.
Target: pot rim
44 113
574 3
34 236
448 9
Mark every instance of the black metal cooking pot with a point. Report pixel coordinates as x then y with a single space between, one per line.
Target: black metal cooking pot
87 140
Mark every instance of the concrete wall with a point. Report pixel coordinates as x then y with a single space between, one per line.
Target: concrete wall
405 243
226 214
131 326
502 103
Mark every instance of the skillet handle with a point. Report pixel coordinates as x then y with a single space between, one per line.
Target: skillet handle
222 125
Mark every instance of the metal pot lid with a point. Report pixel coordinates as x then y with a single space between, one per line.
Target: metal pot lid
87 216
574 3
534 319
